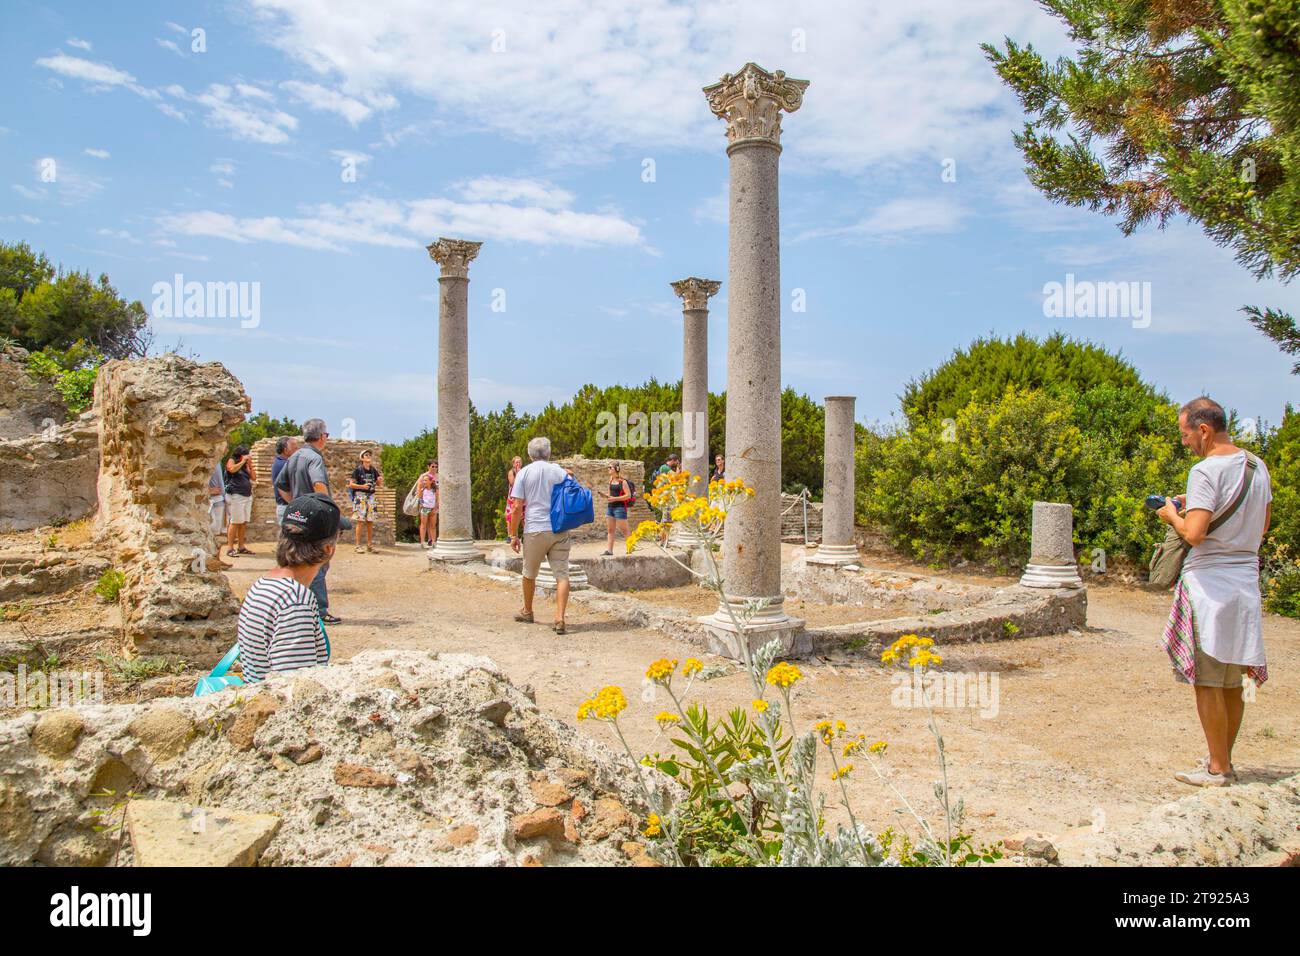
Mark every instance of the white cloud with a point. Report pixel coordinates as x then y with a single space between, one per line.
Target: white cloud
79 44
891 82
412 224
324 100
97 153
228 111
897 219
168 45
503 189
99 74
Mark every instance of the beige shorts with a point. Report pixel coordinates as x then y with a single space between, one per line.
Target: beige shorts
1214 673
549 545
241 508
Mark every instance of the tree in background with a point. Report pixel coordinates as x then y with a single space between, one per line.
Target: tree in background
44 309
261 425
1006 422
1176 107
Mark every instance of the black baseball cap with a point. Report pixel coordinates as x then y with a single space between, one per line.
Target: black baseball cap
313 517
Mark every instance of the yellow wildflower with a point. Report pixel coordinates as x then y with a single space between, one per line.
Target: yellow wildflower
691 666
666 717
661 670
842 772
606 705
783 675
760 705
878 747
652 825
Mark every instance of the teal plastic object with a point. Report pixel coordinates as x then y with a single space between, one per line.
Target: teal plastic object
220 679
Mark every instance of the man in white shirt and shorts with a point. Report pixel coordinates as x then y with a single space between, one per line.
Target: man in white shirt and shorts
531 499
1215 632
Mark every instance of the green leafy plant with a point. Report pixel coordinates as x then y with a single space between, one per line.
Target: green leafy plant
140 668
109 585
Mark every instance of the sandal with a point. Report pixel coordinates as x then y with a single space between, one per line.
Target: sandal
331 619
558 627
523 618
246 551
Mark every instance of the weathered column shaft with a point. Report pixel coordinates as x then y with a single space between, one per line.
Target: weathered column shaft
455 527
695 295
751 103
838 490
752 548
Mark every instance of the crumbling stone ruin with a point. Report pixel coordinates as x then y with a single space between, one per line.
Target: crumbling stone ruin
48 464
163 424
392 758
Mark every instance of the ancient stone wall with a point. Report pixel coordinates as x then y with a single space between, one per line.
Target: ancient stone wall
163 422
593 473
49 477
26 404
340 458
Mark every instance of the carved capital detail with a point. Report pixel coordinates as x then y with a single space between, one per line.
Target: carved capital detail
695 292
752 101
454 255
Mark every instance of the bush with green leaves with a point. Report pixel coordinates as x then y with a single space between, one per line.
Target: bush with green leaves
1006 423
109 585
72 372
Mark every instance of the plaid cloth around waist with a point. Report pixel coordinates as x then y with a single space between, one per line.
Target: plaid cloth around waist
1180 639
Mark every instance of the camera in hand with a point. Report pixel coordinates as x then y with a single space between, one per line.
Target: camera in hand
1156 502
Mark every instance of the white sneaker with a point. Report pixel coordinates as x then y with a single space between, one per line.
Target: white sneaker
1201 777
1205 765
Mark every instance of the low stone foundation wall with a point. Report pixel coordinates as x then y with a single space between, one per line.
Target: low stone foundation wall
853 584
49 477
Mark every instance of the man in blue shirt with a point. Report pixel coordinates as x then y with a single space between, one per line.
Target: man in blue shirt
284 448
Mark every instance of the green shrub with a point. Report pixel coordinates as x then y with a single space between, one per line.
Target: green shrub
1280 582
110 584
71 371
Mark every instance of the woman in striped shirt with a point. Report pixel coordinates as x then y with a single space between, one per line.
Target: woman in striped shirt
279 621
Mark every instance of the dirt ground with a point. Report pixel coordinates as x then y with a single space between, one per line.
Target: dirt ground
1084 725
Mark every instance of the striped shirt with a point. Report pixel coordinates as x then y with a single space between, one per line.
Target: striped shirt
279 629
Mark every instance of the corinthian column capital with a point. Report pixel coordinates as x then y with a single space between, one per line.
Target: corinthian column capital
454 255
751 102
695 292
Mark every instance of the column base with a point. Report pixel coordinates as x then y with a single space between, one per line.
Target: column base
1051 576
546 578
454 551
723 637
835 554
679 539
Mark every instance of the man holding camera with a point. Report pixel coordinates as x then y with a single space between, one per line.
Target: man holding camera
1215 633
240 475
365 479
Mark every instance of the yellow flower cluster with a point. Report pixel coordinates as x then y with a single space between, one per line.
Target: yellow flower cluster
698 511
783 675
691 666
842 772
828 730
917 649
878 747
646 529
760 706
735 486
653 825
666 717
606 705
661 670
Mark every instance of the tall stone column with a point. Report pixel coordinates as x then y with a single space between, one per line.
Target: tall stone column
751 103
695 294
838 546
455 529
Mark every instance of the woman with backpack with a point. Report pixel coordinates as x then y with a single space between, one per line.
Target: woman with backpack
427 488
620 498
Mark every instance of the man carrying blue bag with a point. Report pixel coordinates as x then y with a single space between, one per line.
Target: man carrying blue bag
552 504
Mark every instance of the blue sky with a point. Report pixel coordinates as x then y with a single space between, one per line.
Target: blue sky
222 155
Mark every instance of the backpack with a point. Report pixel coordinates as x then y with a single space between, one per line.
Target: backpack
571 505
631 490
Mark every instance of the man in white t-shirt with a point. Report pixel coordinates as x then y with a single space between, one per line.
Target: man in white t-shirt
531 499
1217 600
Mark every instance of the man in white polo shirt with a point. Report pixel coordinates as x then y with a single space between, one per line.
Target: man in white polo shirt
531 497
